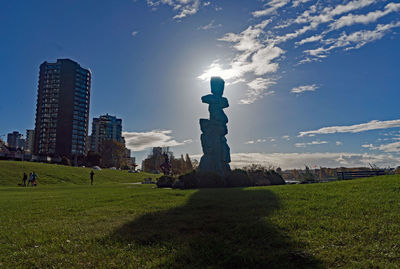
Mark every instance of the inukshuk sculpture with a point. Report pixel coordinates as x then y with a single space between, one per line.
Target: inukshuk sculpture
216 151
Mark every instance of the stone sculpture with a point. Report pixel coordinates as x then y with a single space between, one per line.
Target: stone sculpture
216 151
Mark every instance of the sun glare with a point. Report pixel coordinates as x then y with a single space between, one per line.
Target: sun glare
215 69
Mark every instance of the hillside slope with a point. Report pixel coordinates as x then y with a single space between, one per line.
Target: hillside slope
11 173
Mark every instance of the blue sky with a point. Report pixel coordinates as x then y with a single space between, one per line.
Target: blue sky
309 82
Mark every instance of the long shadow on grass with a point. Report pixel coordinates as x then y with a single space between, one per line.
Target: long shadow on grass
218 228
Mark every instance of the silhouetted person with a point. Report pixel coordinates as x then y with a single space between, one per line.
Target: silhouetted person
30 180
24 178
91 177
34 177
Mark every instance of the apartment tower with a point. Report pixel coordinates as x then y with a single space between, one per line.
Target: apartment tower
105 127
62 109
16 140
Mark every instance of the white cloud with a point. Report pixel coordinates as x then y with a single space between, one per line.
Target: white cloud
209 26
254 57
300 145
351 19
247 40
183 8
304 88
138 141
316 16
257 90
271 7
369 146
298 2
260 140
298 160
134 33
317 143
303 145
356 128
313 17
310 39
187 9
391 147
258 47
349 6
354 40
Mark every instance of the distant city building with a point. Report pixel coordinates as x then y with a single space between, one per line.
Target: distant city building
127 151
62 109
158 151
153 161
131 162
15 140
105 127
30 140
157 158
3 148
89 142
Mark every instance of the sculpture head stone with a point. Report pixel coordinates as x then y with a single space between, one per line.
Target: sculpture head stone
217 86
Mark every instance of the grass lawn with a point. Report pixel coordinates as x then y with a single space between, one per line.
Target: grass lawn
11 173
350 224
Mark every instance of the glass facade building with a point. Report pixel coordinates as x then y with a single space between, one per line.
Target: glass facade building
105 127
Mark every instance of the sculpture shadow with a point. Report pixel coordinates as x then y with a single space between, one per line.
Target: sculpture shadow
218 229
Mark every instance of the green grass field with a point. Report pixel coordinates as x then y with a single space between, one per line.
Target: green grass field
348 224
49 174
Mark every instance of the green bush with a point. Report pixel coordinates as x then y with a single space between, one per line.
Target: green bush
210 180
259 177
238 178
165 182
189 180
262 176
275 178
235 178
178 184
197 179
65 161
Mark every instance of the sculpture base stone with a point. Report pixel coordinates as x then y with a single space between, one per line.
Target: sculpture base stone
208 163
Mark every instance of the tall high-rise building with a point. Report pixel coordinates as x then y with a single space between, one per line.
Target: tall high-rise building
15 140
105 127
62 110
30 140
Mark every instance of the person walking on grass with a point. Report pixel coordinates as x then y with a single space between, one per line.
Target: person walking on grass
24 178
34 177
91 177
30 179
